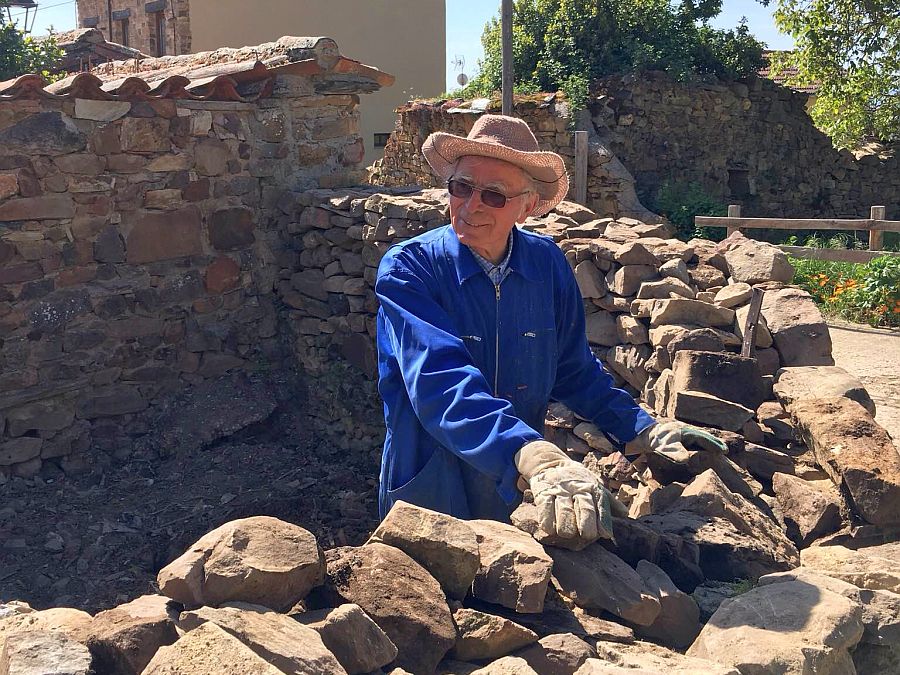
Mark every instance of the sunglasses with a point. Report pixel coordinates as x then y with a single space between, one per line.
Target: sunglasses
492 198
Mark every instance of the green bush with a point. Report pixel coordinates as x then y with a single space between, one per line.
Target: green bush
867 293
681 202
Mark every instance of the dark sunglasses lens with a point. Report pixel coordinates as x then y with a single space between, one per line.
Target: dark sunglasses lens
493 199
459 190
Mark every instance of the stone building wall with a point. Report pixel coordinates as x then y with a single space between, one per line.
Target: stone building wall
746 143
139 250
142 18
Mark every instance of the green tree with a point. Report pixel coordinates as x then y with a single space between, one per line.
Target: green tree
851 50
21 53
566 44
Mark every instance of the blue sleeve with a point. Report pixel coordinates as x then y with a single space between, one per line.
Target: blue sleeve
582 382
450 396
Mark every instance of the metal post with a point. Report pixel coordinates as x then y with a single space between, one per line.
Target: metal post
581 165
734 211
876 237
506 18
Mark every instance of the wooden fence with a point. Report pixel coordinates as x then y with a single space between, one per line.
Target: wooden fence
875 225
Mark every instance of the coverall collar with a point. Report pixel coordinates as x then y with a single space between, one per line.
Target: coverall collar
466 266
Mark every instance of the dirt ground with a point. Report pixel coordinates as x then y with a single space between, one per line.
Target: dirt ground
96 540
873 355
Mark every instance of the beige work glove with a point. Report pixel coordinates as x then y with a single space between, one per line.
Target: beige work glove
674 440
571 503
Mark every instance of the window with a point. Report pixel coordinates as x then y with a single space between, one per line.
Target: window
123 32
739 183
159 25
381 140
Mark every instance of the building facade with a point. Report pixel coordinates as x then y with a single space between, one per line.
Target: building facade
406 38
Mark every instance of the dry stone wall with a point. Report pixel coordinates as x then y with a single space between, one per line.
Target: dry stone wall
750 143
138 254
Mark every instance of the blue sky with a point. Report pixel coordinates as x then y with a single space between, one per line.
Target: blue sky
465 21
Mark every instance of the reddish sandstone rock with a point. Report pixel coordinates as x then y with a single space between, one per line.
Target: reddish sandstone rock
222 275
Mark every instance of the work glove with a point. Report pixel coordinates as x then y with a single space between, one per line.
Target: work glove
674 440
571 503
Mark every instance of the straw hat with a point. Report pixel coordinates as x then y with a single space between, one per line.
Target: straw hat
506 138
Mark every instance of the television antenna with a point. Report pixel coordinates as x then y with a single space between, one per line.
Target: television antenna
459 65
30 7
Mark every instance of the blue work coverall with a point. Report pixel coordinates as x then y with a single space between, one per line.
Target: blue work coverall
467 369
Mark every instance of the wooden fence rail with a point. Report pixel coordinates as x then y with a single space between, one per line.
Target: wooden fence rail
875 225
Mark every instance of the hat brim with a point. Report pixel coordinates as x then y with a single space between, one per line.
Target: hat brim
442 150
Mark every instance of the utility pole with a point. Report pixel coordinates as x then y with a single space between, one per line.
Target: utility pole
506 18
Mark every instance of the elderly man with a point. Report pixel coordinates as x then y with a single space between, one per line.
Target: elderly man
481 324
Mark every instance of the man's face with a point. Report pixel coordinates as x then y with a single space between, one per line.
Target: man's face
482 228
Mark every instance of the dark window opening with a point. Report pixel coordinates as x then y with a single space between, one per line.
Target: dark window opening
381 140
159 25
123 32
739 183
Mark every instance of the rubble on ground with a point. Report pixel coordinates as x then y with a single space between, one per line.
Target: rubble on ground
779 554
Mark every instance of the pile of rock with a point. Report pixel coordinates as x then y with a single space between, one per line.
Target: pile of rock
432 594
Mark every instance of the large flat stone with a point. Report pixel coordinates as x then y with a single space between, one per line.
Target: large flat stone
159 235
398 594
278 639
515 569
690 312
726 376
260 560
45 207
206 651
442 544
39 653
856 452
485 636
125 638
754 261
809 509
646 658
797 327
802 383
792 627
595 578
873 567
709 410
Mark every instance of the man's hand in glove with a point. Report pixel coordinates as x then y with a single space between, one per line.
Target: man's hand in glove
571 503
673 439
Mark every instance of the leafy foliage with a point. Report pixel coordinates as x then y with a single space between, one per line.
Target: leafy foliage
566 44
867 293
851 49
680 202
21 53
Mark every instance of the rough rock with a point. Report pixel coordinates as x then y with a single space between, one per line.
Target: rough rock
559 654
261 560
398 594
754 261
515 569
125 638
442 544
630 362
591 282
802 383
485 636
508 665
678 622
626 280
595 578
880 609
733 295
44 653
690 312
675 269
710 594
695 406
727 376
205 651
736 541
857 454
665 288
280 640
763 335
72 622
810 509
648 659
601 329
356 641
699 339
210 411
797 327
792 627
631 331
874 567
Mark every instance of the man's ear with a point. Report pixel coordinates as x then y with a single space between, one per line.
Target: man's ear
528 205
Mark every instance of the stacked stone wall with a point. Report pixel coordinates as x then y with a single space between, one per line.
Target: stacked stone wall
750 143
141 18
139 252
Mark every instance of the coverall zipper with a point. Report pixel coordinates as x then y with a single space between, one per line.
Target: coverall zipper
497 343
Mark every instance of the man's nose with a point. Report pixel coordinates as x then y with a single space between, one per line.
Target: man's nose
473 201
